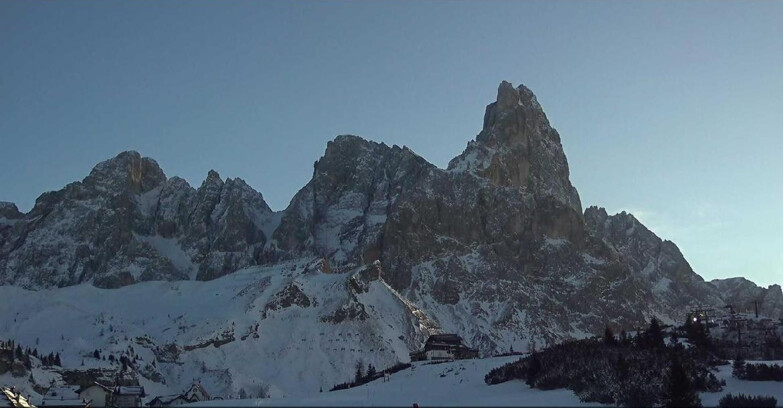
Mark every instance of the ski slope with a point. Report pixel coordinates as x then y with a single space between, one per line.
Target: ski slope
458 383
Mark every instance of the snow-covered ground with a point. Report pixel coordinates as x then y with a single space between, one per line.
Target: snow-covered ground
461 383
736 386
458 383
291 329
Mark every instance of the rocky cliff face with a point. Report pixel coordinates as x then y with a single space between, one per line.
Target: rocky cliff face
495 247
656 264
126 222
742 293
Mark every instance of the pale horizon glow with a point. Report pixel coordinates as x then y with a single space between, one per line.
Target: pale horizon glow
670 111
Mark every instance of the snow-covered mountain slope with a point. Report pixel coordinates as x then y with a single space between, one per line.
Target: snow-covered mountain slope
291 327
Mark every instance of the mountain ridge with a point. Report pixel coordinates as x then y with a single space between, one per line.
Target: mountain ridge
496 242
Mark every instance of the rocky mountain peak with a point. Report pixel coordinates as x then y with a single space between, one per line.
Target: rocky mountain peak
510 98
518 148
213 178
128 171
9 211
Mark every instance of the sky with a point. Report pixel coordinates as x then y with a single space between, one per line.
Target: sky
669 110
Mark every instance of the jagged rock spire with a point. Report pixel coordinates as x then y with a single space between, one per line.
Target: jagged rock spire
518 148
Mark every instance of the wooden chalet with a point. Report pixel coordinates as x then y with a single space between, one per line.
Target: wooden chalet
128 396
97 394
444 347
63 397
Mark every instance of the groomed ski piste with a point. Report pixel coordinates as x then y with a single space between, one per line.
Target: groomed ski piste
455 383
461 383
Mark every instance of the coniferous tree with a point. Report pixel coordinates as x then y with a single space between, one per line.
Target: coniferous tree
359 371
654 334
57 360
533 369
697 333
738 368
680 391
609 339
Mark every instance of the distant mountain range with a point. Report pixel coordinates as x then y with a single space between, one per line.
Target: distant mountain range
496 247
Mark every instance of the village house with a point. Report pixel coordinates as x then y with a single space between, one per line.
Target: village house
195 393
97 394
444 347
169 400
127 396
63 397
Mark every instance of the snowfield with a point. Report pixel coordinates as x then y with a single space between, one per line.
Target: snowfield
736 386
461 383
458 383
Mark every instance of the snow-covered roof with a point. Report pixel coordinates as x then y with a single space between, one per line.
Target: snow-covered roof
9 397
63 403
62 393
94 384
129 390
167 399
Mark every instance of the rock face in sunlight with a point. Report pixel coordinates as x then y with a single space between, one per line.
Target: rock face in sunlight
495 248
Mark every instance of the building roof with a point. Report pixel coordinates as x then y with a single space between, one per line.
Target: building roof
63 403
194 390
129 390
168 399
9 397
62 393
94 384
445 337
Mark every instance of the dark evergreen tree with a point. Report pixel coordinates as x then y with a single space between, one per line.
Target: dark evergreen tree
680 391
744 401
359 371
738 368
533 369
57 360
609 339
697 333
654 334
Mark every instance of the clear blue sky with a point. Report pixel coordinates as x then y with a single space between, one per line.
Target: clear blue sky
670 110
